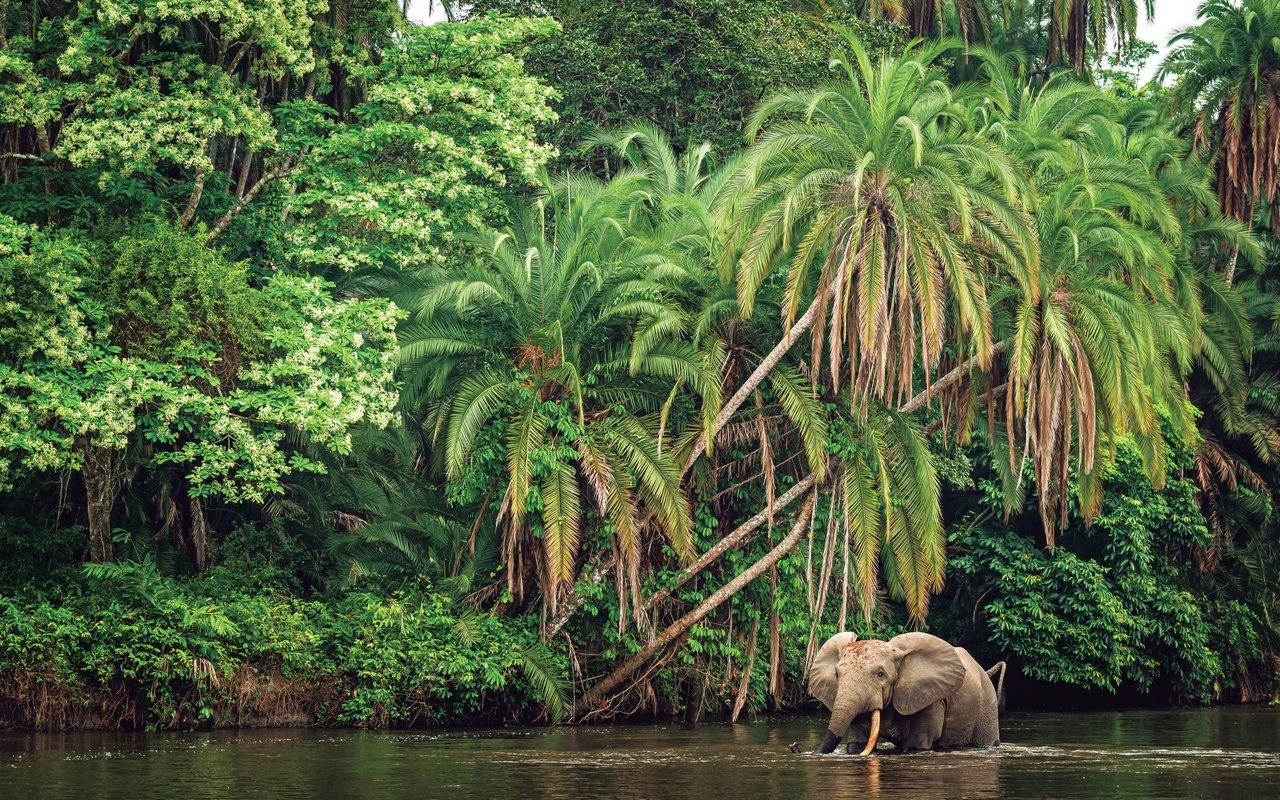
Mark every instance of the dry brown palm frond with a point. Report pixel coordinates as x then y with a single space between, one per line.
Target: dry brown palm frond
1060 415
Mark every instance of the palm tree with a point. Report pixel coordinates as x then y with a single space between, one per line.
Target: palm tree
877 175
1230 385
1228 69
523 355
681 192
1074 25
889 211
1099 344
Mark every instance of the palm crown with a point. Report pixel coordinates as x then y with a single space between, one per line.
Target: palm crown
525 351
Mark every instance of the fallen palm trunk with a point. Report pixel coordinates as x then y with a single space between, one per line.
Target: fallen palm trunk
628 668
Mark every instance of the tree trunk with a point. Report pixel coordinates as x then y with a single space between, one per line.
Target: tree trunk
99 474
593 573
1231 268
920 17
597 692
952 377
731 540
753 382
200 548
193 202
247 197
597 570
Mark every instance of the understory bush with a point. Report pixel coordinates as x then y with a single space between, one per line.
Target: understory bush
1114 604
128 647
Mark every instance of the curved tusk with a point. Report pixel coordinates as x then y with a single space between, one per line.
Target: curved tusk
875 733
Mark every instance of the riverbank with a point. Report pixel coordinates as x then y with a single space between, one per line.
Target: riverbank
152 653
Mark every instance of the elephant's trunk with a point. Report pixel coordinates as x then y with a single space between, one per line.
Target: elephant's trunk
875 733
843 710
829 743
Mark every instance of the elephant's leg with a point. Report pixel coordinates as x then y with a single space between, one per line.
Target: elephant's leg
987 731
924 729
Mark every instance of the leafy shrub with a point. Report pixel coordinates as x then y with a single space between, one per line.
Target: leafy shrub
1110 605
129 647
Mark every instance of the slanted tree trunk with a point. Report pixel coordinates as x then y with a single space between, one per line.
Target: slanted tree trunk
731 540
951 378
681 626
597 570
99 472
798 328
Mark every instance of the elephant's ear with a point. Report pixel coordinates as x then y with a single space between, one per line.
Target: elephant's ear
822 674
930 671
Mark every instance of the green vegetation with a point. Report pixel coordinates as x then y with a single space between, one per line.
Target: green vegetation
514 369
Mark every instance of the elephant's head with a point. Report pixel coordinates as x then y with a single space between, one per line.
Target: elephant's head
852 678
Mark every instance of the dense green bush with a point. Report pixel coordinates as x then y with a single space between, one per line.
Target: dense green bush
127 646
1111 605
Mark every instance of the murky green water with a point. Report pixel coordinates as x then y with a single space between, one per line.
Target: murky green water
1211 753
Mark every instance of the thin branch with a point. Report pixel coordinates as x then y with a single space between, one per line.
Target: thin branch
268 176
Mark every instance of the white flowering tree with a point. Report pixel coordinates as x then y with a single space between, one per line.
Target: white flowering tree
90 384
256 144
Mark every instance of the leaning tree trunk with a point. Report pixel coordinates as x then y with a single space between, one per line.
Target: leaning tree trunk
753 382
950 379
732 540
682 625
596 571
99 474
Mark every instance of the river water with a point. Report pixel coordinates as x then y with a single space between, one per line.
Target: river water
1186 753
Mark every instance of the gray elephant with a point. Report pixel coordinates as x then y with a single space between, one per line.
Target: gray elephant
914 690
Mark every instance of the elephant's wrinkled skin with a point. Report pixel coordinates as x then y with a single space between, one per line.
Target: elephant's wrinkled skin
919 691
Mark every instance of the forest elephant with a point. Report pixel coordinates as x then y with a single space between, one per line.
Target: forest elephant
915 690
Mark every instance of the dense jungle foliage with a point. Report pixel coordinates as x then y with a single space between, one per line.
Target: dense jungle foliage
573 360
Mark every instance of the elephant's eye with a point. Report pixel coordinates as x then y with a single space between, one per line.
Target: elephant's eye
881 674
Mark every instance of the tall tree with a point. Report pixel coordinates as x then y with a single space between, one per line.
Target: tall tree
1075 26
888 209
522 359
1228 86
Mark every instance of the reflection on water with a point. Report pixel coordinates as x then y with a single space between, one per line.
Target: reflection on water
1221 753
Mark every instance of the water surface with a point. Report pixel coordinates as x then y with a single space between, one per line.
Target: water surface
1188 753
